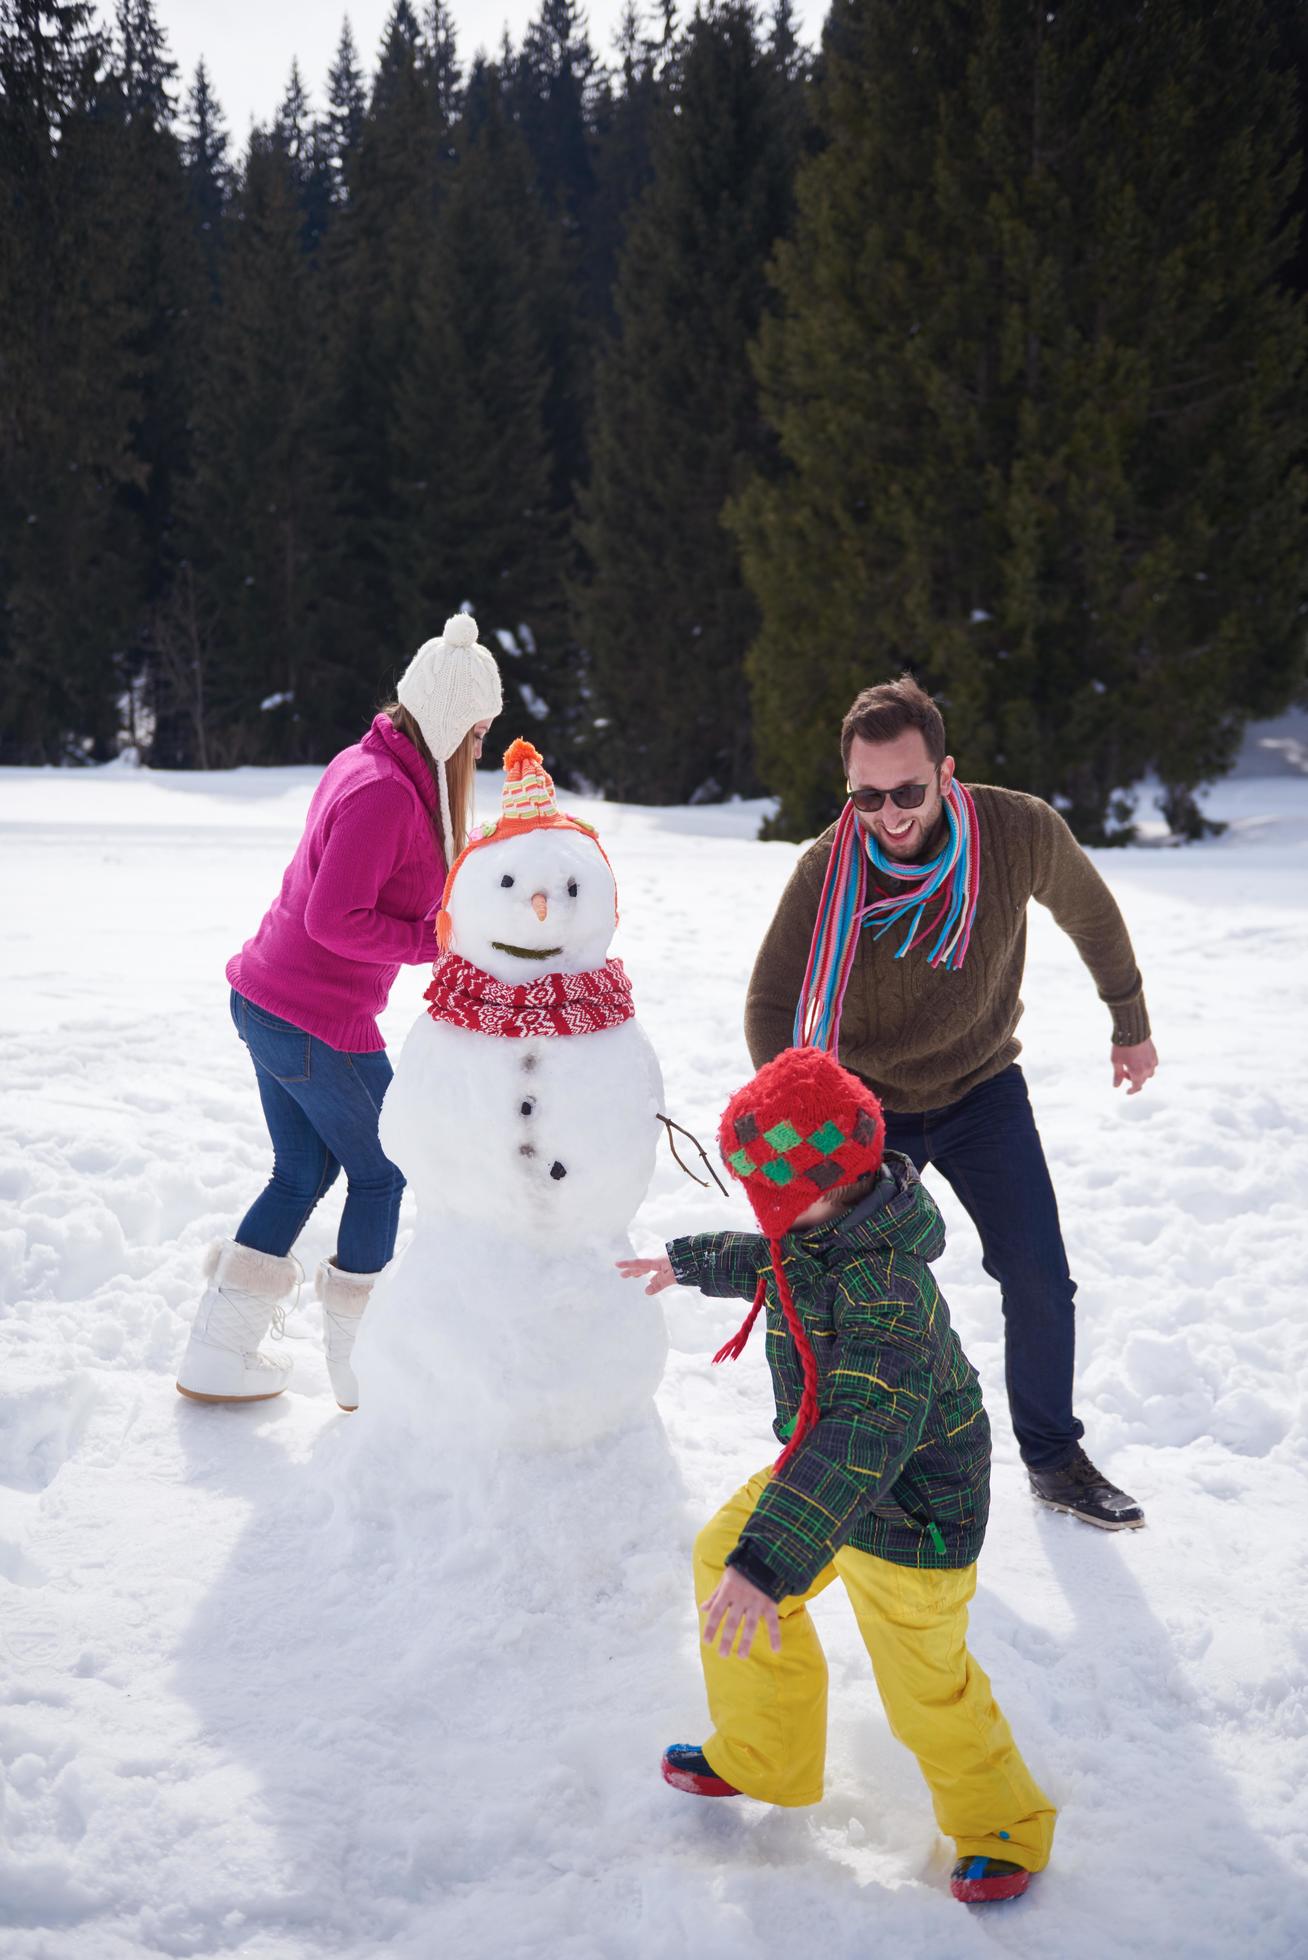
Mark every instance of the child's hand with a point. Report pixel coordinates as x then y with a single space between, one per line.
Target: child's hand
659 1270
737 1603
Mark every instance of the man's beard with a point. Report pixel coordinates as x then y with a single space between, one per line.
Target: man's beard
910 847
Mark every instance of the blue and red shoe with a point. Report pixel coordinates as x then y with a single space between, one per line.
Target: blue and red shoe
979 1881
686 1767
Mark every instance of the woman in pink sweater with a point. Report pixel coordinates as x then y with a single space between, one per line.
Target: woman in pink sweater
358 901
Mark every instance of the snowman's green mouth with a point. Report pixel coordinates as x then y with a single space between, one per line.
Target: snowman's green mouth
527 952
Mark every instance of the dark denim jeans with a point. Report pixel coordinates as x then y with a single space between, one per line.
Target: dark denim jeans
321 1107
988 1147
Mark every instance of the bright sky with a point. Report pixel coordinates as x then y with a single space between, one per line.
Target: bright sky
249 45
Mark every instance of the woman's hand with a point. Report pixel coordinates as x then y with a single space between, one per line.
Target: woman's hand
659 1270
738 1604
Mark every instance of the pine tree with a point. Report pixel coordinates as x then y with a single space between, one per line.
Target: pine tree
624 123
1038 400
208 170
162 267
293 122
551 83
347 108
70 559
375 254
664 614
441 66
398 83
473 519
183 626
145 69
259 519
1287 25
306 144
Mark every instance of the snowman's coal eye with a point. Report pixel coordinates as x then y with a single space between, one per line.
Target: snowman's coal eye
572 888
506 879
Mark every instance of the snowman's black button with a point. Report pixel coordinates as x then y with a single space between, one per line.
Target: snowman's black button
527 1108
557 1171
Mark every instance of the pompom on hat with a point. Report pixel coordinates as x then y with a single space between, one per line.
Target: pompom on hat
803 1127
450 684
528 802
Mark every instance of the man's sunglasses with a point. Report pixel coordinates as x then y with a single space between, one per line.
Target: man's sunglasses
909 796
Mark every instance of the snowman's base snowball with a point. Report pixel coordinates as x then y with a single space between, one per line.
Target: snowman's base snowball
532 1482
478 1344
539 1607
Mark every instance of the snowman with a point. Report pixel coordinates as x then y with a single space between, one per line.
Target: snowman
524 1115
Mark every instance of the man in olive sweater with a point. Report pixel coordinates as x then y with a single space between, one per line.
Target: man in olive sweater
937 1042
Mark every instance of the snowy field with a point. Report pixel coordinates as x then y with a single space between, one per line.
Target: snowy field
221 1731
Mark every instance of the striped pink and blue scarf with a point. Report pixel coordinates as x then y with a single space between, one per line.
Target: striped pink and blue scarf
948 885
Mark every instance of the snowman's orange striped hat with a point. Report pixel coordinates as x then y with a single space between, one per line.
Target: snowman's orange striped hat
528 803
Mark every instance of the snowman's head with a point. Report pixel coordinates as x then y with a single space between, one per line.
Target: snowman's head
539 901
532 893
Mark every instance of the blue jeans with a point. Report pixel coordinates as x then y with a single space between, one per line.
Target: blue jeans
321 1107
988 1148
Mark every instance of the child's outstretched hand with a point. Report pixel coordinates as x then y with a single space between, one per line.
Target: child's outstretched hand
659 1270
737 1603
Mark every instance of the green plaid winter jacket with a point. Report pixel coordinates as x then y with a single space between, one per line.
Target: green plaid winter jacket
898 1463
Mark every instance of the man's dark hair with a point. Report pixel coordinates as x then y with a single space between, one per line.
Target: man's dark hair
881 713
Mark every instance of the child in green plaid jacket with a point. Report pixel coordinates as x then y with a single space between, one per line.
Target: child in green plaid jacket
883 1481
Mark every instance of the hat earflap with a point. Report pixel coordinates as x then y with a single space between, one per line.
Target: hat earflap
807 1413
447 822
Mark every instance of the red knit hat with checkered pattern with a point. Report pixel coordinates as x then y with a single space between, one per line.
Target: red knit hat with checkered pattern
803 1127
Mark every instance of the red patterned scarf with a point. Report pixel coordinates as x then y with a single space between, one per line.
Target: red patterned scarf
554 1004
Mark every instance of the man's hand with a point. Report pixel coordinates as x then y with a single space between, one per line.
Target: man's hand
734 1605
659 1270
1134 1065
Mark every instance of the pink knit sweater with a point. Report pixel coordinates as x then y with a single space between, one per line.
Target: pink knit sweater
359 898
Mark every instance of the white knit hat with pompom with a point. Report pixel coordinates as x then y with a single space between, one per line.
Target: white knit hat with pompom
450 684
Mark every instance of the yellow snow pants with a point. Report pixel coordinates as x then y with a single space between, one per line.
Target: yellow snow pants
769 1711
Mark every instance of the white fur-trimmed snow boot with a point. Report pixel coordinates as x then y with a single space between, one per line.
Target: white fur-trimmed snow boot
244 1298
344 1297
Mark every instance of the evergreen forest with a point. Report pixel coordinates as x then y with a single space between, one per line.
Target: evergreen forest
717 375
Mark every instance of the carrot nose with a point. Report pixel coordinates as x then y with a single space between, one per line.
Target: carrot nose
540 905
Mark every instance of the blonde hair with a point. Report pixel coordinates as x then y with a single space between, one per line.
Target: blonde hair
460 776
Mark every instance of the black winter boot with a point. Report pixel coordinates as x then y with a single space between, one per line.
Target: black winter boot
1076 1486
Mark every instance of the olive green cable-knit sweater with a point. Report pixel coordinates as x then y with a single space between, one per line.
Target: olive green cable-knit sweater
921 1036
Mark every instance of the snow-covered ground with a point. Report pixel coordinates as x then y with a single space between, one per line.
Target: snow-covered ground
225 1730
